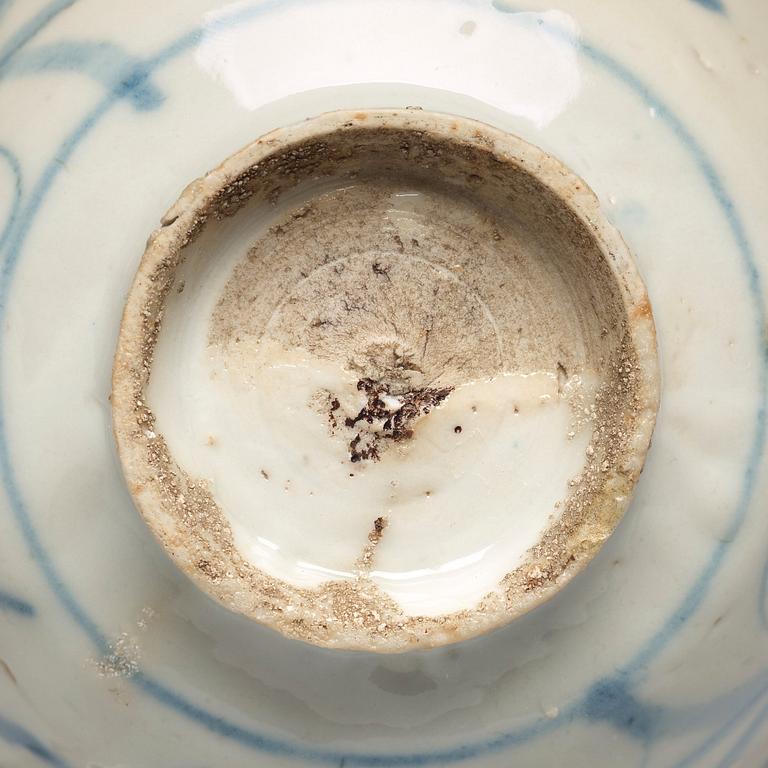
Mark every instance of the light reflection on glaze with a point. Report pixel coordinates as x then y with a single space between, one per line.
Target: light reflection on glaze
160 692
510 62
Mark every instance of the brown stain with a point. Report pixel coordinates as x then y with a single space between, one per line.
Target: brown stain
210 569
120 695
361 116
379 524
364 562
642 310
396 423
8 671
483 140
405 683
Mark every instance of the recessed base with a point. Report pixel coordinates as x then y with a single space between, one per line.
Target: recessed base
403 379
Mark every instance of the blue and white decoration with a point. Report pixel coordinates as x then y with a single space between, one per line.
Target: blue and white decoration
656 656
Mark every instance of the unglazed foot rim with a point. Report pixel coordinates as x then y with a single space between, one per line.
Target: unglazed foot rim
611 335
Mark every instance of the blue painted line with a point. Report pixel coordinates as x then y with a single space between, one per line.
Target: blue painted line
18 189
707 716
31 28
14 734
712 5
738 749
706 747
17 234
109 64
612 701
14 604
279 747
696 593
593 706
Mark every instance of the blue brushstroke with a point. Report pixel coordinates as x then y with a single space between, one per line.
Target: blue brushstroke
708 715
612 701
738 749
698 590
117 70
712 5
735 719
17 235
18 189
31 28
15 604
280 747
640 719
14 734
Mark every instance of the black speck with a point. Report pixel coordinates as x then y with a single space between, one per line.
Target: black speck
379 270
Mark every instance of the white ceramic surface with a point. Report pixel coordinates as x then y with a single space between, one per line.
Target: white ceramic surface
655 656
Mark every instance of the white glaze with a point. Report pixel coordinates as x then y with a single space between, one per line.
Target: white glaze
462 510
64 469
